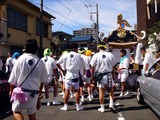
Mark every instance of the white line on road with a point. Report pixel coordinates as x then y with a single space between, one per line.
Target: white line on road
120 116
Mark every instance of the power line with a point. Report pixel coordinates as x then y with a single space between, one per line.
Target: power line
58 13
63 25
63 16
74 5
64 21
64 6
87 1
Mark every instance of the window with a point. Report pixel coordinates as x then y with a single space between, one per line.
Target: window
45 28
17 20
155 71
152 9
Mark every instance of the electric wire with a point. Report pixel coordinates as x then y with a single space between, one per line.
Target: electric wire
64 21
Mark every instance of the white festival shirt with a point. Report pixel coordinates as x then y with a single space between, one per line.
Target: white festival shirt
103 62
72 62
87 60
147 60
50 65
22 68
9 63
138 53
124 64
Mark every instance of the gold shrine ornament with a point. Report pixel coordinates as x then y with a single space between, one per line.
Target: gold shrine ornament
121 33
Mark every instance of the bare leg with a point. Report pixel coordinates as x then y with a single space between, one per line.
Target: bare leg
81 91
32 117
66 97
111 105
55 93
77 96
101 99
82 94
18 116
47 91
61 85
101 95
89 89
111 95
123 84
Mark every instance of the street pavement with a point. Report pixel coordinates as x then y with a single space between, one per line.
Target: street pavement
128 109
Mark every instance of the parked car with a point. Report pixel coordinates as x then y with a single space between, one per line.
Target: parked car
148 88
4 96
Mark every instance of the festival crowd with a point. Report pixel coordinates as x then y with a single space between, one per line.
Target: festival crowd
76 71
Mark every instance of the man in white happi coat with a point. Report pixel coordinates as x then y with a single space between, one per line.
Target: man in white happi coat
123 72
29 65
51 68
103 64
72 63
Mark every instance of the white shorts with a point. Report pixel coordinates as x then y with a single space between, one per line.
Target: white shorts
124 76
104 82
30 105
70 83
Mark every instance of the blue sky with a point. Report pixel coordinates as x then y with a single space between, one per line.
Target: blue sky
77 10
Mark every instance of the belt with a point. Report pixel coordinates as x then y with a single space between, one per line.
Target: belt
33 92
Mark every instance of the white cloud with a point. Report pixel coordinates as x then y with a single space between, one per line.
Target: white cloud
108 10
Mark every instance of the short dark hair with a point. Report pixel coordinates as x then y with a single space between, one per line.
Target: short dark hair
10 52
31 46
123 51
143 49
74 46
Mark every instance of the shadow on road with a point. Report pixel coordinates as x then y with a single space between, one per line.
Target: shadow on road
133 108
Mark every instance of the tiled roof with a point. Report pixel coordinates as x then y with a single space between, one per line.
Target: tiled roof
82 38
60 33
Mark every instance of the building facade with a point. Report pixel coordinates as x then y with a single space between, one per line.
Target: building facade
20 20
60 42
85 32
86 42
147 14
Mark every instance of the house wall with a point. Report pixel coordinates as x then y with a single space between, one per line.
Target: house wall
18 37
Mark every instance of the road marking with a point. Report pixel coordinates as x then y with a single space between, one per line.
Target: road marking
120 116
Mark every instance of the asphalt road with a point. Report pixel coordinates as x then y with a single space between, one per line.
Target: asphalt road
128 109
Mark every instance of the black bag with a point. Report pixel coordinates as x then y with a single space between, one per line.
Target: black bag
80 80
99 76
75 80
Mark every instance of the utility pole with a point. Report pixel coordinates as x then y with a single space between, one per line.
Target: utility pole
41 30
97 25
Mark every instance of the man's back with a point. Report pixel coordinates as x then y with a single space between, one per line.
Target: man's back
22 68
73 61
103 62
148 60
50 64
